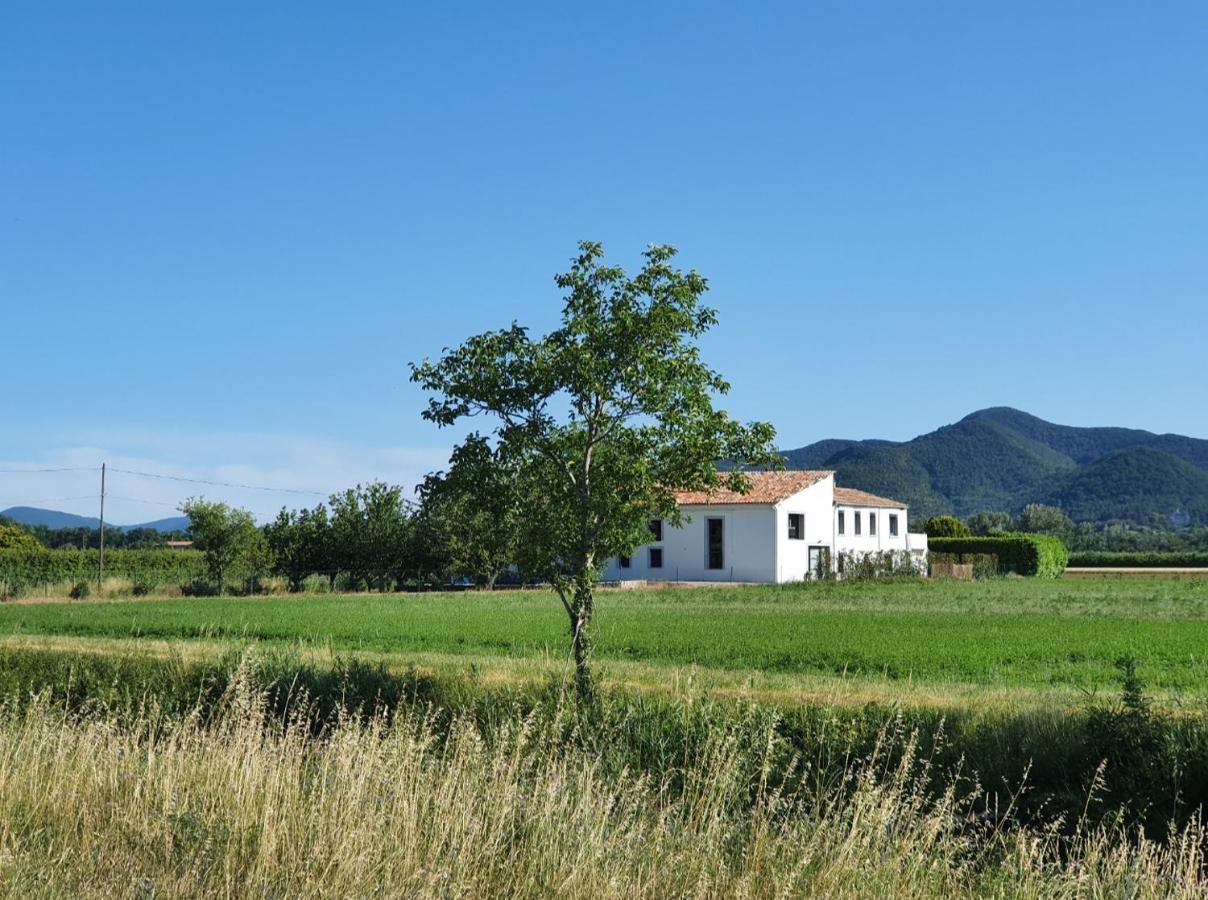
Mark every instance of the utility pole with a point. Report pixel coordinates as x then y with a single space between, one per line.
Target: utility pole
101 575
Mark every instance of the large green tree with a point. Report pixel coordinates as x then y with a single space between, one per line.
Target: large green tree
473 514
228 537
371 531
301 543
1040 519
986 523
603 419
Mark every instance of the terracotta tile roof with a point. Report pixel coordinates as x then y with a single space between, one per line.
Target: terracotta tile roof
852 497
766 487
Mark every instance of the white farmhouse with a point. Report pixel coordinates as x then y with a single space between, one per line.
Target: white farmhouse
780 531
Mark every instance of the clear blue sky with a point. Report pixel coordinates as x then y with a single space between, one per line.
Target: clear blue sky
226 228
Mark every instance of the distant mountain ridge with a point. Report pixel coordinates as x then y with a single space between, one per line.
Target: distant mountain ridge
51 518
1002 459
993 459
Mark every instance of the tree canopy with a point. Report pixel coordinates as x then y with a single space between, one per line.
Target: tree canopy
602 419
228 537
990 522
14 537
945 527
473 514
371 531
1037 518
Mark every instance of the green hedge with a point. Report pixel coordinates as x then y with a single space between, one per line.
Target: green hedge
1139 560
33 568
1024 554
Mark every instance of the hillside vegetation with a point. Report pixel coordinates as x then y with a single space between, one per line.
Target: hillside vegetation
1004 459
1132 484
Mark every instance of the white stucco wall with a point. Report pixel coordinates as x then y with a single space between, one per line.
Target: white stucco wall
864 542
749 547
816 503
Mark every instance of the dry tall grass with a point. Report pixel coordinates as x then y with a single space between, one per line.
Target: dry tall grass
168 808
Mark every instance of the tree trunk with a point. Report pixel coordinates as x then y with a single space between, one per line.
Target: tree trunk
581 610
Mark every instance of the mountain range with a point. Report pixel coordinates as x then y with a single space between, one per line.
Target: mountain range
31 515
994 459
1004 459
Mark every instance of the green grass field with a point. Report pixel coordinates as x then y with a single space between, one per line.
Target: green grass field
826 740
1010 634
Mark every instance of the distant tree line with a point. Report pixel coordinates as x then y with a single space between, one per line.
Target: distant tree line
464 528
1037 518
83 538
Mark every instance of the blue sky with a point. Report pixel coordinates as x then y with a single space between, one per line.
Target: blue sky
226 228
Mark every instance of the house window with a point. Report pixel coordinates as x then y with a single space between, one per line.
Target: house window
624 562
872 523
841 531
857 523
796 526
893 524
715 543
656 557
656 529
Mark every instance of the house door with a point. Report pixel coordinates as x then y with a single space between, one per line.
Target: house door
818 561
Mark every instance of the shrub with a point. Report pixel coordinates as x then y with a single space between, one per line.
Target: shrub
347 583
14 537
985 565
316 584
825 570
199 587
274 584
1022 554
36 568
115 587
1139 560
144 584
80 590
865 566
946 527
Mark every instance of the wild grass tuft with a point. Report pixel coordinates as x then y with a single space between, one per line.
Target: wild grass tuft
521 806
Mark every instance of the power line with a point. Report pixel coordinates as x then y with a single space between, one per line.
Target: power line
59 499
59 469
140 500
229 484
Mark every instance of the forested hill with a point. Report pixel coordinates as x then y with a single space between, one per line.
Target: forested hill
54 519
1003 459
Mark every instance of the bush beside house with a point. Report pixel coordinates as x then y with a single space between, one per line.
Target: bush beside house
1039 555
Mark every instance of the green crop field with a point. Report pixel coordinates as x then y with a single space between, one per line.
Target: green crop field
1005 634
